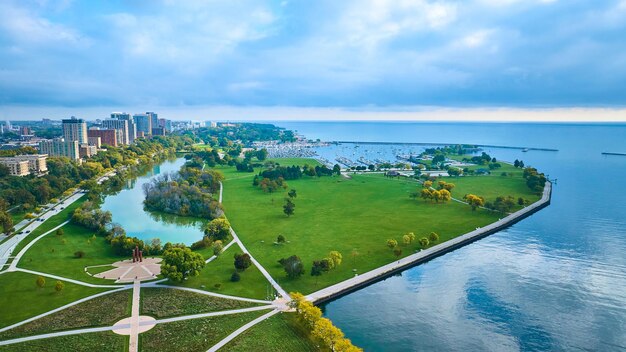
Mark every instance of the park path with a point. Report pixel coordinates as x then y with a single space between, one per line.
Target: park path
242 329
134 318
265 273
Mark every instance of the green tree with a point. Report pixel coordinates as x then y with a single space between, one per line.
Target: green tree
397 251
474 201
411 236
242 261
337 169
289 207
433 237
235 277
317 270
292 193
293 266
406 239
335 257
41 282
391 243
6 222
59 286
180 263
218 247
280 239
424 242
217 229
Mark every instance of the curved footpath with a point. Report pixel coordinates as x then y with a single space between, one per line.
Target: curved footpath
385 271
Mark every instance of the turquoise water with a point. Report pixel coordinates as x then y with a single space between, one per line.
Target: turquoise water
127 209
554 281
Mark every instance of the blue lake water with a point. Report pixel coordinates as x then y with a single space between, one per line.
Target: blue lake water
554 281
127 209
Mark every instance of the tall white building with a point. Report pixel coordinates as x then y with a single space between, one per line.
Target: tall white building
75 130
60 147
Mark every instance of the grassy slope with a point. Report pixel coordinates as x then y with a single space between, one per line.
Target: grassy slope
98 341
333 213
491 187
52 256
252 285
102 311
169 302
280 333
195 334
20 298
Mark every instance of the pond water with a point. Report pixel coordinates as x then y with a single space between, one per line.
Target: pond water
127 209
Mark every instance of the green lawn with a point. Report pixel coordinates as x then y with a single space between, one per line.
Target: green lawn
333 213
105 341
169 302
101 311
295 161
491 187
20 298
194 334
252 285
17 216
280 333
51 255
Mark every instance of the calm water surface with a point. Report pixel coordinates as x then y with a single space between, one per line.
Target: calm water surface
554 281
127 210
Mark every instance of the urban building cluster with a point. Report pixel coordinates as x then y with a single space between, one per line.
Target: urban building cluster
80 140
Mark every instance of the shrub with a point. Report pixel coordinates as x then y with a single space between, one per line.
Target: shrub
235 277
79 254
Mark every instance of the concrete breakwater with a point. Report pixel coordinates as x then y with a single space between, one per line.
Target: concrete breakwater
442 144
383 272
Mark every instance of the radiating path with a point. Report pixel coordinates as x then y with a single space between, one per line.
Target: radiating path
242 329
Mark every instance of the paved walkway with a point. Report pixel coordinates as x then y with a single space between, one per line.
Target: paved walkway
428 253
134 319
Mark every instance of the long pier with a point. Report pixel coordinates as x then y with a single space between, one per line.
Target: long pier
440 144
383 272
610 153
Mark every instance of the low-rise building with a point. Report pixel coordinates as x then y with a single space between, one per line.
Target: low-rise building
86 151
95 141
16 167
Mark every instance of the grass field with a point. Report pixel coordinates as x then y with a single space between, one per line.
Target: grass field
295 161
20 298
252 285
280 333
195 334
170 302
51 255
333 213
491 187
101 311
105 341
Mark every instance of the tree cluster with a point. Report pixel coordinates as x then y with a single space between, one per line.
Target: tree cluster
293 266
321 329
534 180
268 185
180 263
474 201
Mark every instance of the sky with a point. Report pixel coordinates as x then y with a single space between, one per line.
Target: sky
354 59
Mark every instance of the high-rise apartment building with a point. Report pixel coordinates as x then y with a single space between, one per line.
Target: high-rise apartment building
75 130
132 126
60 147
121 126
144 123
108 137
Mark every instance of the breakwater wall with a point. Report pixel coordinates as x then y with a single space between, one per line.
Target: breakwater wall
383 272
441 144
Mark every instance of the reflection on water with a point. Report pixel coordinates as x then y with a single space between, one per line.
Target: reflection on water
554 281
127 209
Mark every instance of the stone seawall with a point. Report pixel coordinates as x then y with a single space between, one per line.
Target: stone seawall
378 274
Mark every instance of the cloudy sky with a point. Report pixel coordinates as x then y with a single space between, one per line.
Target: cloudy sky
348 55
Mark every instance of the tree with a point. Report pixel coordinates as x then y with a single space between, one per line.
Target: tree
235 277
328 334
428 184
337 169
397 251
426 194
59 232
292 193
411 236
181 262
289 207
516 163
317 270
433 237
292 266
59 286
335 257
406 239
41 282
217 229
474 201
242 261
391 243
79 254
424 242
521 164
280 239
520 201
218 247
